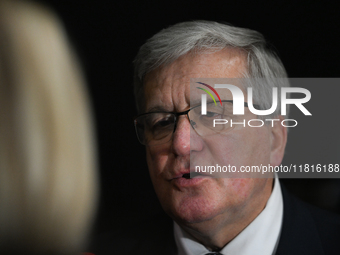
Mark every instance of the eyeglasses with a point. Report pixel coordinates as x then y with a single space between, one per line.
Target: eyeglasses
156 128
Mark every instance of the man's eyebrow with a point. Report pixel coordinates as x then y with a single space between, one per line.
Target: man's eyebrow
162 109
194 103
157 109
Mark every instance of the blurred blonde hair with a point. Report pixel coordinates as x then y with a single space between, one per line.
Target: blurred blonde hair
48 182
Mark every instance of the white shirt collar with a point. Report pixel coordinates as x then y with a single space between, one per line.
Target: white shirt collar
260 237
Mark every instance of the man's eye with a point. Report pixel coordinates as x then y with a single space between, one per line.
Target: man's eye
213 114
162 128
162 123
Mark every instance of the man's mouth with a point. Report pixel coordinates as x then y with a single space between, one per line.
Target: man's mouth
188 179
191 175
186 176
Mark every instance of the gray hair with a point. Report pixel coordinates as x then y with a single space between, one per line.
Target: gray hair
201 36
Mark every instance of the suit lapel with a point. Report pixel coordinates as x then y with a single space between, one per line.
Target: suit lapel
299 233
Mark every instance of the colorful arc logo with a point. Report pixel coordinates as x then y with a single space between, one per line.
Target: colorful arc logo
211 88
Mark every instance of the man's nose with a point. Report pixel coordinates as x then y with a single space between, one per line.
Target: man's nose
185 138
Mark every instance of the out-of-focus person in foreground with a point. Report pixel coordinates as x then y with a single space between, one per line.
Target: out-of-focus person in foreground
48 179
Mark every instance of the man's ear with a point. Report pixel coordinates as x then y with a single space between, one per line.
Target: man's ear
278 142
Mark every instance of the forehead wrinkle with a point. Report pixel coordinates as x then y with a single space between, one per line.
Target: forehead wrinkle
180 93
176 81
169 86
229 59
154 90
166 88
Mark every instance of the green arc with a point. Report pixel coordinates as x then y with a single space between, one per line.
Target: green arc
208 93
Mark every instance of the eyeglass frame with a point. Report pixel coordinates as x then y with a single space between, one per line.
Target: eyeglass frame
177 114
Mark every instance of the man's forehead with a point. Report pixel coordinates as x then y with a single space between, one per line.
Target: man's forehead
169 86
166 92
210 63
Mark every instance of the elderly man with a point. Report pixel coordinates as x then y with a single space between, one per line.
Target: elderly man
216 215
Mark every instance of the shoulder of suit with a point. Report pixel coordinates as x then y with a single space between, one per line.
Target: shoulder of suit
134 233
307 228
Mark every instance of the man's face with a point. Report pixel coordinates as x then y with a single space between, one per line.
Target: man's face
209 201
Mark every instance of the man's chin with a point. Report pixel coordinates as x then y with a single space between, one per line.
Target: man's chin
195 210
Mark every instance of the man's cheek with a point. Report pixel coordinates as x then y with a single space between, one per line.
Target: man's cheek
156 162
241 188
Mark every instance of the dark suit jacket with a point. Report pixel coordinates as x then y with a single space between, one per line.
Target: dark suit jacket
306 230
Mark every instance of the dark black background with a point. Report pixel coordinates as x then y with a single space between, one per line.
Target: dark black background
107 35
